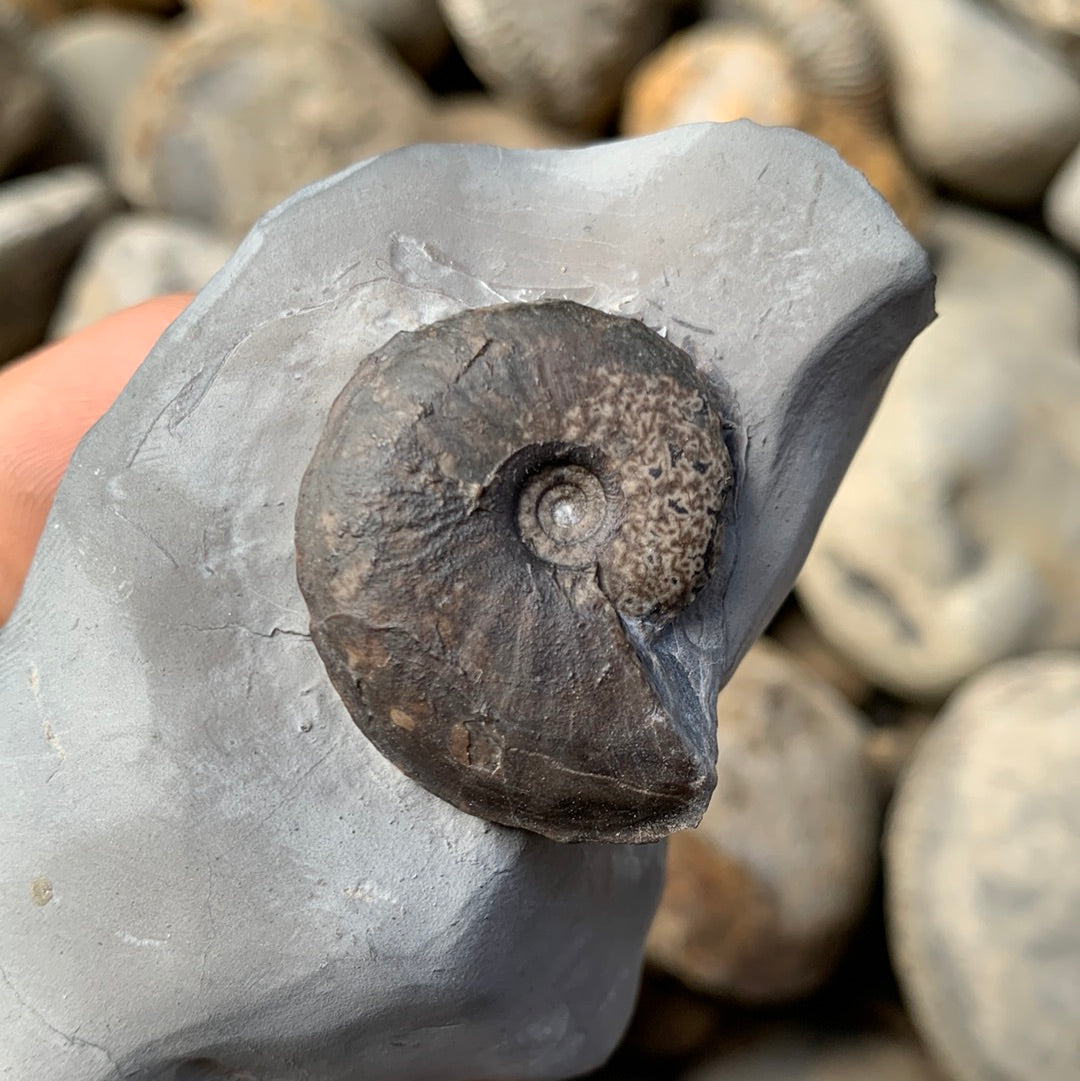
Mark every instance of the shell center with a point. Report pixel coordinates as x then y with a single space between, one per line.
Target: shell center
563 514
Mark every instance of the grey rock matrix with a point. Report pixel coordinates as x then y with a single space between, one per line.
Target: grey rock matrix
203 859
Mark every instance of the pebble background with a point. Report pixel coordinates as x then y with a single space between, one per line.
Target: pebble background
887 884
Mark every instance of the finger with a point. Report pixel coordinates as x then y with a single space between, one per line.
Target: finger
48 401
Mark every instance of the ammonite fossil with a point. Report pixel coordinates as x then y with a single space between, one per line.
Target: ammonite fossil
501 510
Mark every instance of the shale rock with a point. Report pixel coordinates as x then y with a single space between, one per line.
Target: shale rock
203 858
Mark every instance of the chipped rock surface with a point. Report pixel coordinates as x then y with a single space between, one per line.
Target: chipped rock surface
980 104
1062 203
953 539
203 857
761 896
983 875
93 62
133 257
44 218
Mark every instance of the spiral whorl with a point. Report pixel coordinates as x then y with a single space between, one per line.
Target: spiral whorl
492 497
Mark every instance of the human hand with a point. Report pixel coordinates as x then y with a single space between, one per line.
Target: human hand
48 401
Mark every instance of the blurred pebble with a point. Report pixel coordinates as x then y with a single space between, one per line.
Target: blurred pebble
983 876
93 62
414 27
236 114
722 71
476 118
795 633
714 71
24 97
1062 205
792 1054
761 897
1058 21
671 1021
891 747
831 42
131 258
953 539
980 105
44 218
563 60
46 11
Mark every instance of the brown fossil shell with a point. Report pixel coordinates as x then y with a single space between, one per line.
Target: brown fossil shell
501 508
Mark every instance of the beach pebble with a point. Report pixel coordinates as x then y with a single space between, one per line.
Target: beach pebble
414 27
24 97
43 12
953 539
476 118
1062 205
44 219
761 897
235 114
797 1054
719 71
1058 21
983 876
795 633
832 44
93 62
131 258
981 105
564 60
714 71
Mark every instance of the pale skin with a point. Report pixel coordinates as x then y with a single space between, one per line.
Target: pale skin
48 400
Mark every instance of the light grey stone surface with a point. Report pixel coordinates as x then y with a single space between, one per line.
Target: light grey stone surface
983 875
93 62
44 218
953 539
133 257
1062 204
980 104
202 856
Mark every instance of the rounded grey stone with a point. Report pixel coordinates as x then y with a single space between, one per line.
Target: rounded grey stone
983 875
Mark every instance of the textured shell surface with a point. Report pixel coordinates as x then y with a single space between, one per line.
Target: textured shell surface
494 498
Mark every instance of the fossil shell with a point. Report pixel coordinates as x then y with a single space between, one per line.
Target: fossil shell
564 60
832 43
500 506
